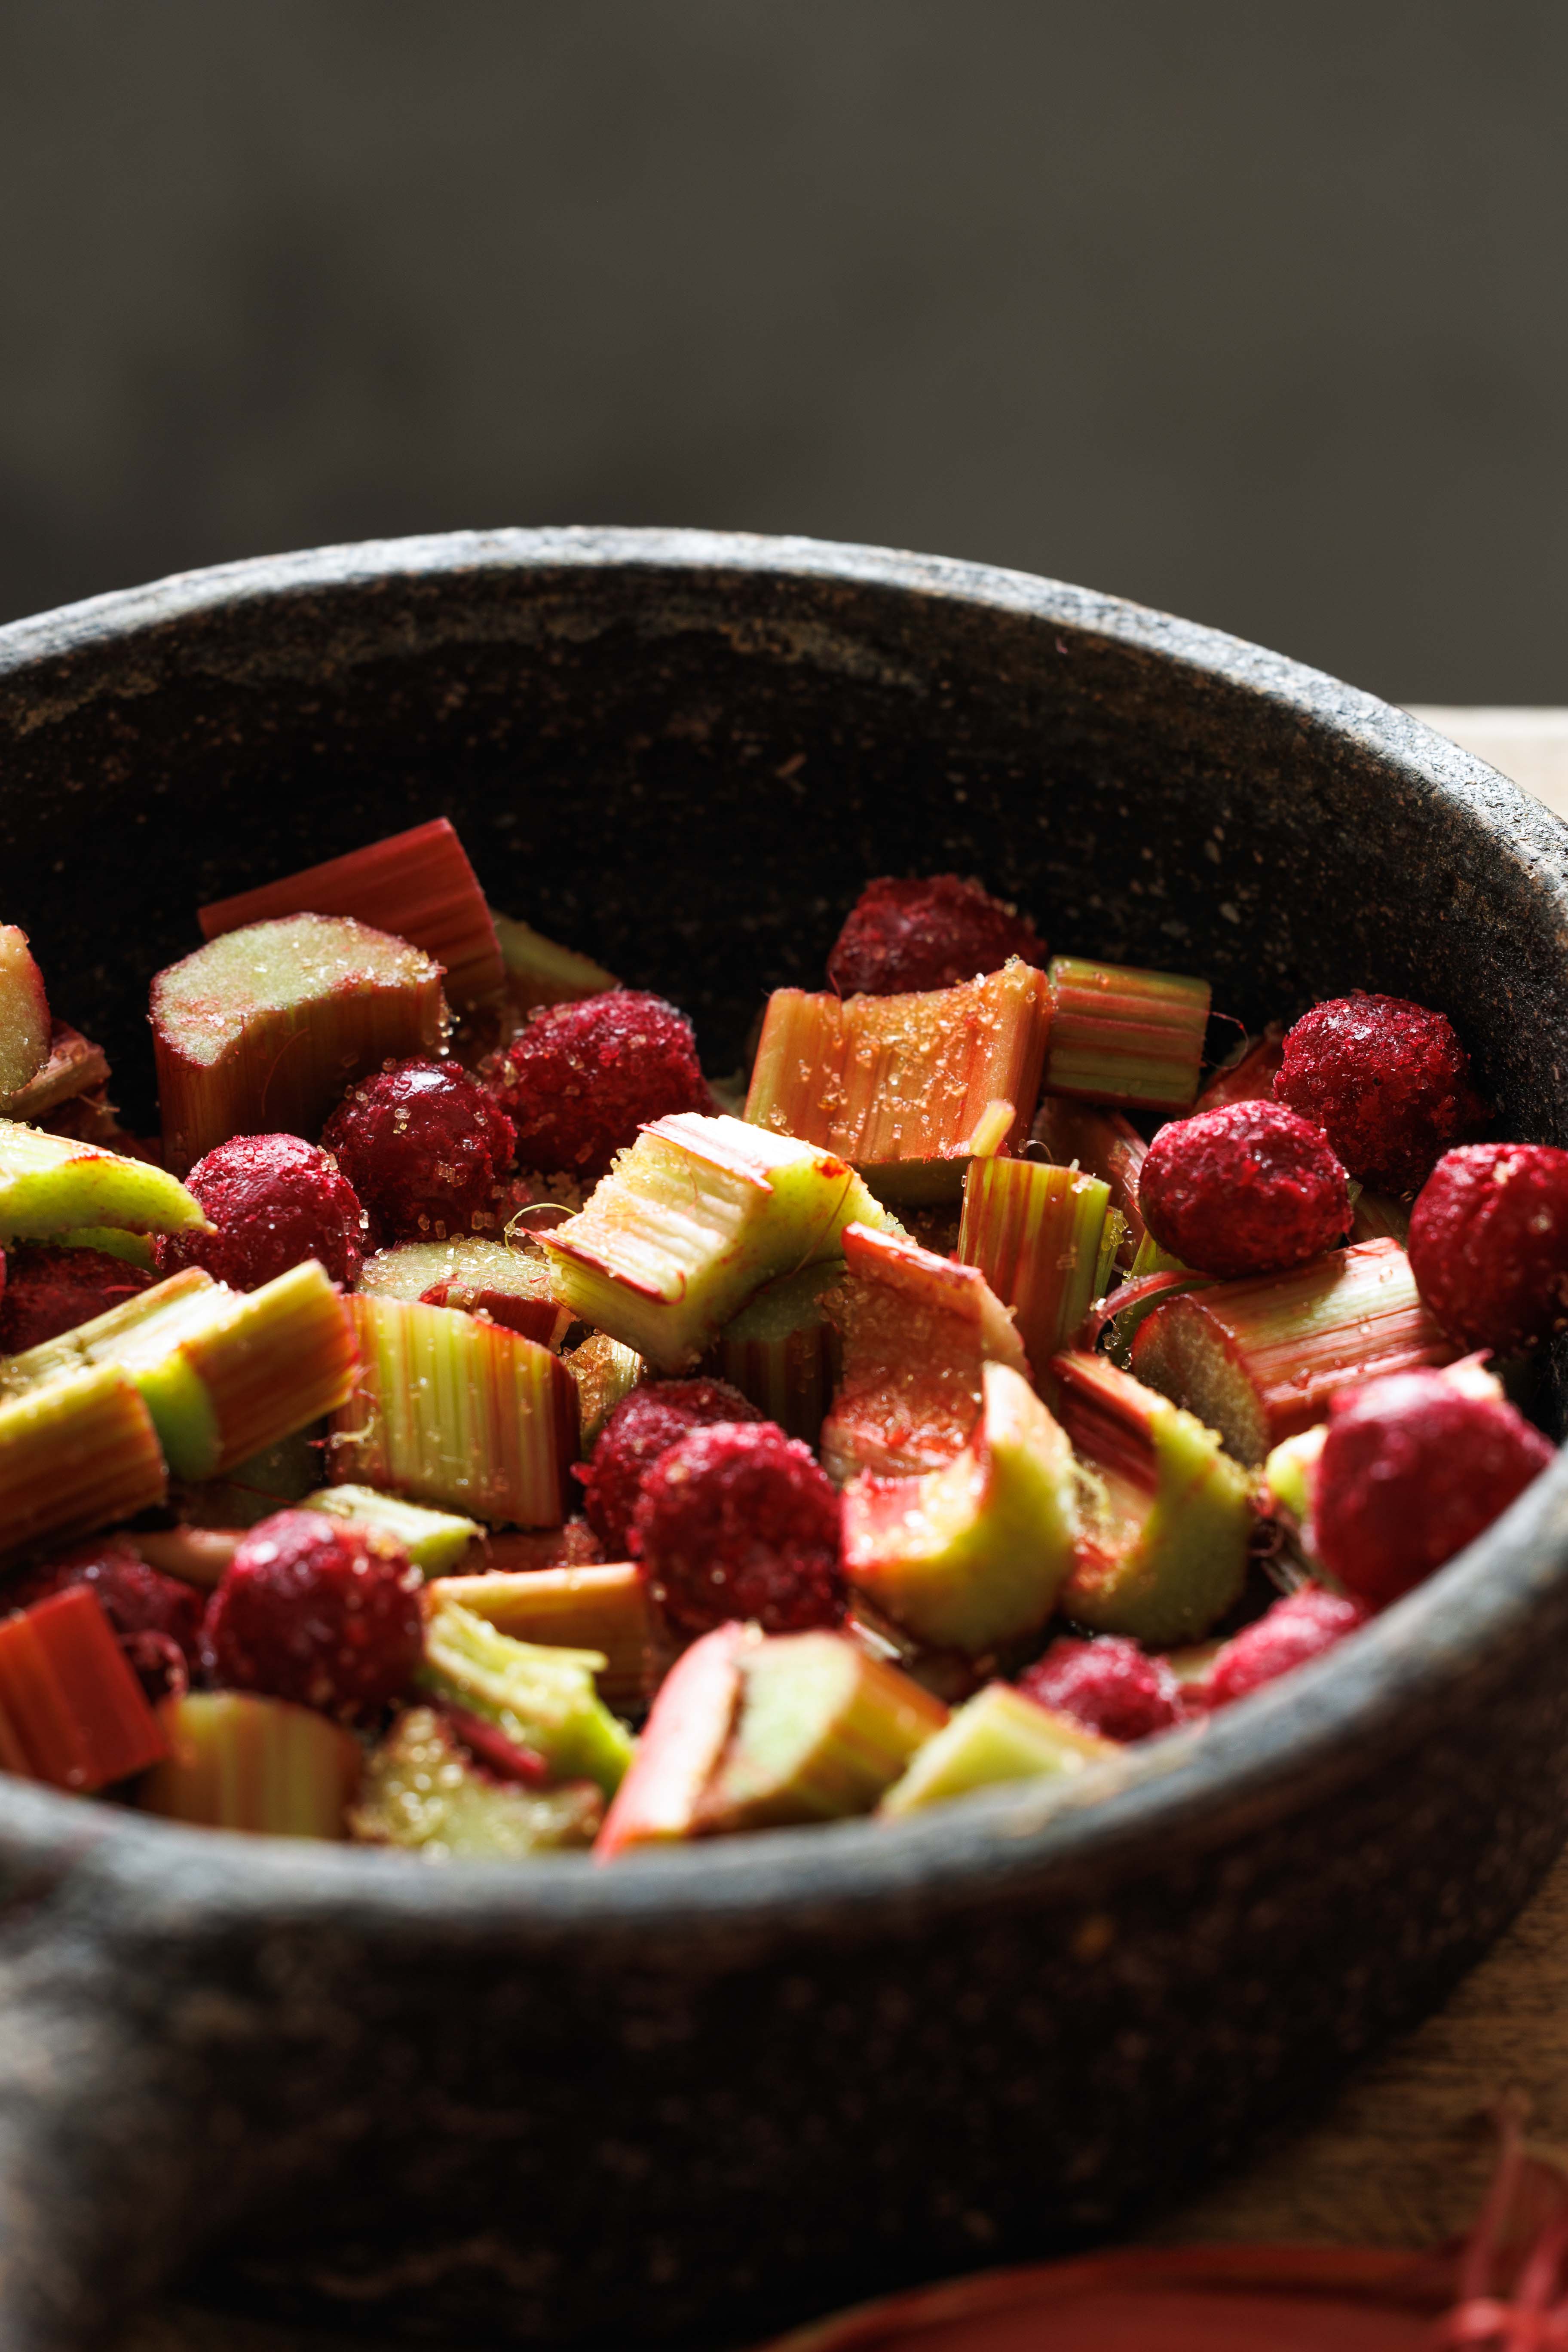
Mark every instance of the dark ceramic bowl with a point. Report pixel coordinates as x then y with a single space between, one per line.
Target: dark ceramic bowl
699 2095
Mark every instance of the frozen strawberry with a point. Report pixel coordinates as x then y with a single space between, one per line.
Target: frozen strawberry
737 1520
1488 1244
929 934
47 1291
156 1618
1412 1470
581 1078
426 1148
322 1611
1247 1189
1111 1686
273 1201
643 1426
1299 1627
1387 1081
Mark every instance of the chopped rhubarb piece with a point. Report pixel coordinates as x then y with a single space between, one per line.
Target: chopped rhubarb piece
1259 1359
47 1291
140 1250
1103 1144
1387 1081
1122 1035
540 972
24 1015
424 1792
997 1736
224 1373
606 1371
737 1520
1376 1216
198 1556
452 1411
1165 1517
573 1544
74 1712
641 1429
74 1066
1247 1189
974 1553
505 1285
1109 1685
239 1761
916 1330
417 885
1300 1626
901 936
543 1697
820 1732
909 1088
780 1352
273 1201
425 1150
265 1482
156 1619
1248 1075
604 1607
51 1184
261 1030
435 1541
676 1757
1412 1470
77 1453
1285 1489
1034 1234
1488 1245
322 1611
693 1219
580 1079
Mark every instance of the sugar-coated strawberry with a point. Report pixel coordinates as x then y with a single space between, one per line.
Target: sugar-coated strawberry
580 1079
1387 1081
425 1147
157 1618
50 1290
1488 1244
322 1611
929 934
1412 1470
1109 1685
1300 1626
737 1520
273 1201
1247 1189
643 1426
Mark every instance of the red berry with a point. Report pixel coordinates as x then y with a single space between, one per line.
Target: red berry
737 1520
50 1290
643 1426
1247 1189
426 1148
275 1201
157 1618
581 1078
1387 1081
1488 1244
1412 1470
322 1611
1301 1626
1109 1685
930 934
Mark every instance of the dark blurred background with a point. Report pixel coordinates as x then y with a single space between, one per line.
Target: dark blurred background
1252 311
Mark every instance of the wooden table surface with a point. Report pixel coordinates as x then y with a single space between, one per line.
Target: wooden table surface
1402 2153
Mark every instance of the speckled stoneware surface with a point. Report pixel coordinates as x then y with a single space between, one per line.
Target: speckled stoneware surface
698 2095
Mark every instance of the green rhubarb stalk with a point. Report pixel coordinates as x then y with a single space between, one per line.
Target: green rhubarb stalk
511 1286
782 1352
77 1453
697 1215
909 1088
25 1022
687 1729
606 1371
457 1413
1035 1233
1103 1144
1259 1360
51 1183
237 1761
538 971
601 1608
997 1736
422 1792
541 1698
434 1540
1123 1036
